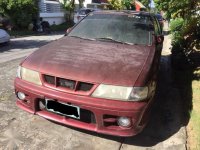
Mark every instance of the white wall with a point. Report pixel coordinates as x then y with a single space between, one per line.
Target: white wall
56 17
53 18
84 3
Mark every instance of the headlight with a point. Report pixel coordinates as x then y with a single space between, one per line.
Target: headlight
139 93
28 75
112 92
121 93
18 72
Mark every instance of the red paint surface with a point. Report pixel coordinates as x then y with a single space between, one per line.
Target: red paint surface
94 62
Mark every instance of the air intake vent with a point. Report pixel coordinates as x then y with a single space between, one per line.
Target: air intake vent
84 86
49 79
110 120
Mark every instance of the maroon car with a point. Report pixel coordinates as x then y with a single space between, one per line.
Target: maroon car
101 77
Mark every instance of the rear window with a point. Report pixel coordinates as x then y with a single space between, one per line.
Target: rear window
133 29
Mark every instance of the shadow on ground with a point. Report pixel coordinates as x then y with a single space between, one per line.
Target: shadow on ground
26 43
22 44
167 116
172 107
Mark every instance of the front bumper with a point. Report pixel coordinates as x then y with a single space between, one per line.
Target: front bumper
103 113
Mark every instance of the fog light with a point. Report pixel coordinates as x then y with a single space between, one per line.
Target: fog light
21 95
124 121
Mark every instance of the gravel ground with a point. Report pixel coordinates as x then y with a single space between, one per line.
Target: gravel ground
21 130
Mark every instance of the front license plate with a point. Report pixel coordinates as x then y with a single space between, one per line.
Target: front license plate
63 109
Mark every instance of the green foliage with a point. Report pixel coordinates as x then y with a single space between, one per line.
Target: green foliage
145 3
121 4
68 4
21 12
177 9
116 4
62 27
176 24
186 25
176 27
127 3
124 4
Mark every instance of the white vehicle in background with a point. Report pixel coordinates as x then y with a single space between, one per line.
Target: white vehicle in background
81 14
4 36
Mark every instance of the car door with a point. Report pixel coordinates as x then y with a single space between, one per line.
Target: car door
158 35
158 40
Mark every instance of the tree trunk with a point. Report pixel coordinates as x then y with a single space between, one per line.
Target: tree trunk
71 10
80 3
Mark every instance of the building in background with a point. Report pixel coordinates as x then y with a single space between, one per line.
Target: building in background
51 11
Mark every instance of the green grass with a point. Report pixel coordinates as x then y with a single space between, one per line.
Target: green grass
194 124
188 83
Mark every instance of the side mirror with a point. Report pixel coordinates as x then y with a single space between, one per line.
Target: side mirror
159 39
67 31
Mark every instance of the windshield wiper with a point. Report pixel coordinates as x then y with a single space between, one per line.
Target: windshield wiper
112 40
84 38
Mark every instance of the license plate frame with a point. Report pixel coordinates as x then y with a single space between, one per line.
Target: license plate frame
67 110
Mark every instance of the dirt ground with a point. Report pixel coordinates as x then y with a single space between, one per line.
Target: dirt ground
24 131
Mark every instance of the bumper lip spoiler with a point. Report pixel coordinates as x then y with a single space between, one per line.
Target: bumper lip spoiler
81 125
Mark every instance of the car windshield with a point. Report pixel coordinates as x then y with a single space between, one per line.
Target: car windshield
129 29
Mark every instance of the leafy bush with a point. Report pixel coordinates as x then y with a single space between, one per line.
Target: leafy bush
62 27
176 24
115 4
176 30
185 28
21 12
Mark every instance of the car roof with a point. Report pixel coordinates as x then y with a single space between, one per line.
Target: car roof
86 9
123 12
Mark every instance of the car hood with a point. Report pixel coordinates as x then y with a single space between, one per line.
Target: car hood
90 61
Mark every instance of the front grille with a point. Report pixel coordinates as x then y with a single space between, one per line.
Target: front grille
87 116
84 86
49 79
67 83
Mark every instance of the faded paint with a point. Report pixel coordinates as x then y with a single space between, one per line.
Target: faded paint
96 62
92 61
